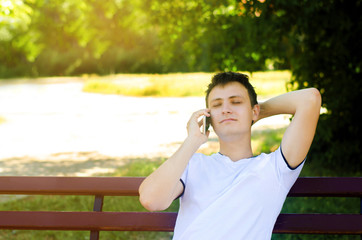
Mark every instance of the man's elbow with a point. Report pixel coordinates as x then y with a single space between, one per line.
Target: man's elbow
314 99
152 204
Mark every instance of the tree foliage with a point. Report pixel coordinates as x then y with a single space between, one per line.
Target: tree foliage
210 35
318 40
40 37
324 52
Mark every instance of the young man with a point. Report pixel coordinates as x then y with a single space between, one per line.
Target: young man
233 194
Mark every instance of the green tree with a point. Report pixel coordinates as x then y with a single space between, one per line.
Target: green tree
318 40
102 37
323 45
17 45
69 37
202 35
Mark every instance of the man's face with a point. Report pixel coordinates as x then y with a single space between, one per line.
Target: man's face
230 109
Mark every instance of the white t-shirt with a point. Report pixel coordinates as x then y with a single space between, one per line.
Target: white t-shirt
233 200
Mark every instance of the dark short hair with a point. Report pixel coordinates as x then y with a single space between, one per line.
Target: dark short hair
224 78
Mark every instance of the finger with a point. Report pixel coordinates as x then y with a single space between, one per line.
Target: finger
201 112
207 112
195 118
200 122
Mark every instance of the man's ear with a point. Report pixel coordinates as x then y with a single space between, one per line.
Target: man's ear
256 111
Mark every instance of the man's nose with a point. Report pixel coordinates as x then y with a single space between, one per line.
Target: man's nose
226 108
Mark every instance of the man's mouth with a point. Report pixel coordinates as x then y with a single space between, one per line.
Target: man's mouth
228 120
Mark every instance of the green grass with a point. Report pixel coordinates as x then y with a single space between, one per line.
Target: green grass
179 84
265 140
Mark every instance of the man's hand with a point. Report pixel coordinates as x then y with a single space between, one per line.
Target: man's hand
194 124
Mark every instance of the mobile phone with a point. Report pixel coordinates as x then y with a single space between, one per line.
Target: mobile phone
205 124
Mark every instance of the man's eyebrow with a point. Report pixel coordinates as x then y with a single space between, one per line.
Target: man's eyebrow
236 96
216 99
231 97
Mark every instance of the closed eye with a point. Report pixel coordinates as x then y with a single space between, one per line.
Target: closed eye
236 102
216 105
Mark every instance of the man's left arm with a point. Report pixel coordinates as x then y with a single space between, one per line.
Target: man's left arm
305 105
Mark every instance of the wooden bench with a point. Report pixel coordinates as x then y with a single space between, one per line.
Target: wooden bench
96 220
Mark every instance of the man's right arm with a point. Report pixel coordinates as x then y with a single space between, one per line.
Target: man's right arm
163 186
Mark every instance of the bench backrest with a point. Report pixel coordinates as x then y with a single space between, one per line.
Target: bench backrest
99 187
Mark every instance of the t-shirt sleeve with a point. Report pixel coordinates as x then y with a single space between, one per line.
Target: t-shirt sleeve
286 174
183 179
191 165
184 175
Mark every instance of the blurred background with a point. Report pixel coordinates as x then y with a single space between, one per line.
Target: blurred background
105 88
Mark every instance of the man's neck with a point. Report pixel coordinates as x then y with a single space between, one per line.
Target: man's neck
236 149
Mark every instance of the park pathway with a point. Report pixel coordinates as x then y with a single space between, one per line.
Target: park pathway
54 128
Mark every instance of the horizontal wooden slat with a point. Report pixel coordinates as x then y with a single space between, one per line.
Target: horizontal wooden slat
319 223
327 187
165 221
107 186
103 221
128 186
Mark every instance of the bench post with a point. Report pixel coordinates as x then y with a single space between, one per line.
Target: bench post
97 207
